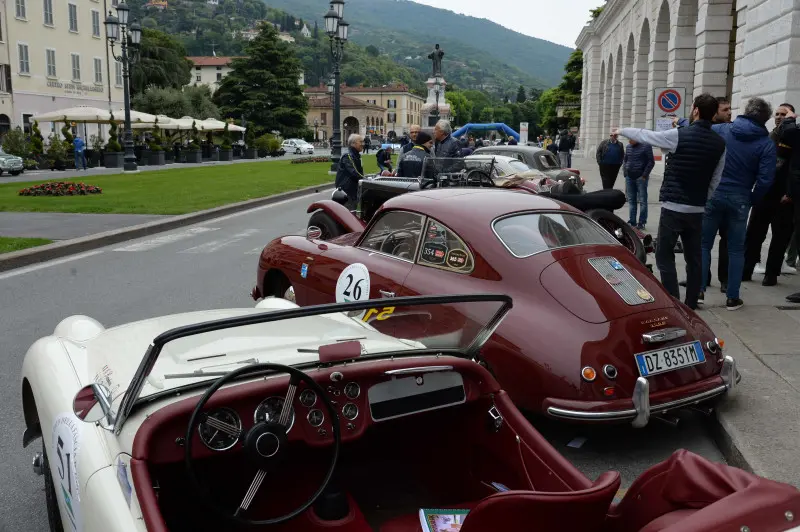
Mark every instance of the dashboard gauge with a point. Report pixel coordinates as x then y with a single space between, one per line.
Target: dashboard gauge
316 417
218 440
308 398
270 410
350 411
352 390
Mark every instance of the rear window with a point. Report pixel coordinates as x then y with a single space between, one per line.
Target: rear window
548 160
531 233
518 166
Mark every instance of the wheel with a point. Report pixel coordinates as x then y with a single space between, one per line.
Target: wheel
15 172
621 231
330 227
276 284
297 151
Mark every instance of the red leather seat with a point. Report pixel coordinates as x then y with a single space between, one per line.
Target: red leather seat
583 510
668 519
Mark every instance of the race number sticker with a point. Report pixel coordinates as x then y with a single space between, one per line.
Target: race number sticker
64 466
353 284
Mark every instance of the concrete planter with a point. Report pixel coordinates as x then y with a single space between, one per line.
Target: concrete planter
194 156
226 155
114 159
157 158
144 158
251 153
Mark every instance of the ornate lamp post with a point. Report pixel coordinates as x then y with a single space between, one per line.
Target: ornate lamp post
337 29
316 126
437 88
129 36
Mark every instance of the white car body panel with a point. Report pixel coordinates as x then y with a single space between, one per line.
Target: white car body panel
80 352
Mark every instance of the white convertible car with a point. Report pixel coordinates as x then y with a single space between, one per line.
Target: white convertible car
309 419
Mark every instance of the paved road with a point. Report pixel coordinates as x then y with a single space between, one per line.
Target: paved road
63 226
210 265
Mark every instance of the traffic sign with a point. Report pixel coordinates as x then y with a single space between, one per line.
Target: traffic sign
669 100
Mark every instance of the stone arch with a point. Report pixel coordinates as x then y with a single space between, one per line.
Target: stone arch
626 107
609 84
616 90
683 47
351 126
659 56
640 77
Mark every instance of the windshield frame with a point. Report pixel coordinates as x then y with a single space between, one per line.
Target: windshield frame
131 395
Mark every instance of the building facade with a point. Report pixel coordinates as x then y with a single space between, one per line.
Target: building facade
402 108
210 70
635 48
358 117
54 56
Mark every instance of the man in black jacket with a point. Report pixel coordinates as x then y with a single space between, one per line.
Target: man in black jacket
692 173
789 132
413 161
350 170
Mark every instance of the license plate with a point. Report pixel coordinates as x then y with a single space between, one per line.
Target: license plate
670 358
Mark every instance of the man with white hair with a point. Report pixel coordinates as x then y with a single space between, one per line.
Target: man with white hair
446 145
350 170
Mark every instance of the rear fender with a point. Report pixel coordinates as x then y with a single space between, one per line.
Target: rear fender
347 219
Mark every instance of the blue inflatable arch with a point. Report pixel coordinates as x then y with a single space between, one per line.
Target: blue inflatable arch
486 127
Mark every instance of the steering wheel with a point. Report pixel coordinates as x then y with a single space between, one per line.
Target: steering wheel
265 444
391 237
429 183
484 180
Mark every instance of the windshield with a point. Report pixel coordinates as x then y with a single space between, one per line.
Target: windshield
203 351
531 233
518 166
548 160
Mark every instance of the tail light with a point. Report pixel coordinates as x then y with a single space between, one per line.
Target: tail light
573 170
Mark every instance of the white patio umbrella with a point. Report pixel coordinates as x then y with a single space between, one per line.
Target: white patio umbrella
164 122
136 117
212 124
234 127
87 114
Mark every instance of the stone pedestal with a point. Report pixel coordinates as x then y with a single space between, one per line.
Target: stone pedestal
428 109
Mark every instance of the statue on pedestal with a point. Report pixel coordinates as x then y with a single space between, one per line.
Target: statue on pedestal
436 56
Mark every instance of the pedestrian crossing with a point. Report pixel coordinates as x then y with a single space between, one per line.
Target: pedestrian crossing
191 243
168 238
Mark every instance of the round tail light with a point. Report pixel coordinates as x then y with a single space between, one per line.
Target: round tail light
589 374
610 371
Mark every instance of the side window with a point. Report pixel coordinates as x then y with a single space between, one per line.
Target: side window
396 233
442 248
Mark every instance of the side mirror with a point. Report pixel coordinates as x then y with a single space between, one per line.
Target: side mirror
92 403
313 232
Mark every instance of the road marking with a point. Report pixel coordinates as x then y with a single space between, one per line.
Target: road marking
278 204
28 269
255 251
216 245
166 239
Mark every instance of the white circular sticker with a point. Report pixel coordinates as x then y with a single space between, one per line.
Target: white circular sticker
353 284
64 466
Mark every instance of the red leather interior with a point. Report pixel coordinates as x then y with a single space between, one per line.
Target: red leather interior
339 213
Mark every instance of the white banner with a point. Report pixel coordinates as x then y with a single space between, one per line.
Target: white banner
668 103
523 133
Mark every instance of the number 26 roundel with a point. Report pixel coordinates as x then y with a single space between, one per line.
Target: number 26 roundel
353 284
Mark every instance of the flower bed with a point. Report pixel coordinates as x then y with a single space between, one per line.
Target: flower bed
317 159
60 188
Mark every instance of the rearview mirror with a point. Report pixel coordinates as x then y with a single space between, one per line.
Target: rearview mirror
92 403
313 232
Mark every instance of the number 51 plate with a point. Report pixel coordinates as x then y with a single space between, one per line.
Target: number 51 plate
670 358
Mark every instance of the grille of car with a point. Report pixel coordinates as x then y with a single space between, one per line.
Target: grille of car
624 284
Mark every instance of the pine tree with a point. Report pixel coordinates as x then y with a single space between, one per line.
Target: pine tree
316 31
521 96
264 86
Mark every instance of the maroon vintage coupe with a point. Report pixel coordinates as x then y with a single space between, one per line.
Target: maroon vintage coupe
593 336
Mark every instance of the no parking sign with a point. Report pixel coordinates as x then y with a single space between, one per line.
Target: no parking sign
668 103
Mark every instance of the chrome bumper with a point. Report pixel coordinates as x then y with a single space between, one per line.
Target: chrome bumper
639 415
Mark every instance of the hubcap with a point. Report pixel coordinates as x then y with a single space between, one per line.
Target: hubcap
289 295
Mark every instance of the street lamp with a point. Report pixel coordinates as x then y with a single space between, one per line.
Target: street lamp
337 30
129 36
437 88
316 125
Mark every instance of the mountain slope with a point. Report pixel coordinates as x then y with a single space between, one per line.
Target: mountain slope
460 36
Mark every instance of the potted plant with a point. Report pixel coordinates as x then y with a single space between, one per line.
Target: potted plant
274 147
69 157
226 151
193 153
56 152
169 151
250 141
157 156
113 157
37 143
262 144
96 141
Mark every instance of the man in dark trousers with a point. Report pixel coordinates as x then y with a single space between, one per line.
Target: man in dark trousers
610 155
692 172
367 144
639 162
384 158
789 132
748 175
775 211
350 170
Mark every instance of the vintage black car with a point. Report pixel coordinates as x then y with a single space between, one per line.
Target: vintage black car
538 159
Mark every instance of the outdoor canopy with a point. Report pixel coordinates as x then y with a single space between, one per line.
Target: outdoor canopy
86 114
486 127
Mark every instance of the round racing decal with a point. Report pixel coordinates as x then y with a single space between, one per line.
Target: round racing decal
63 461
457 258
353 284
433 253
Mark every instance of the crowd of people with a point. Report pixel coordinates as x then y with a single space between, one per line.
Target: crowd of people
732 178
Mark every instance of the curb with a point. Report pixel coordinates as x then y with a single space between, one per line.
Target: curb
726 439
26 257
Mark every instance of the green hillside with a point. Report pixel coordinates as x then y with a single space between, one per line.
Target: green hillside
379 22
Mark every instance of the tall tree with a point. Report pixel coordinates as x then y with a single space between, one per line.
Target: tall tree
521 96
162 63
264 86
316 31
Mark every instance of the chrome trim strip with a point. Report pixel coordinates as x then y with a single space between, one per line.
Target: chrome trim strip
663 335
423 369
621 415
728 373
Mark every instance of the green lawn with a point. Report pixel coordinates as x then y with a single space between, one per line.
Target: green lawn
8 244
175 191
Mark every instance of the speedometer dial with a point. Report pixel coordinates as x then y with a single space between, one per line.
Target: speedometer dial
270 410
308 398
218 440
352 390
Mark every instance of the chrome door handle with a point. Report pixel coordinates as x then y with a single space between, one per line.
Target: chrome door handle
384 293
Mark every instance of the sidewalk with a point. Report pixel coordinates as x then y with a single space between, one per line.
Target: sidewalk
759 426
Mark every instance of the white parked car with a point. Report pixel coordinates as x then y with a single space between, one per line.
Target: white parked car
297 146
506 167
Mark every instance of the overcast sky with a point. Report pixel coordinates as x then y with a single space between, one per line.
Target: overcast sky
556 21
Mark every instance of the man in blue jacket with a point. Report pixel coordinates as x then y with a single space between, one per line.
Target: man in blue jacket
750 161
638 164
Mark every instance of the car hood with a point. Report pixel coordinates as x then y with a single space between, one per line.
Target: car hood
114 354
9 157
602 284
